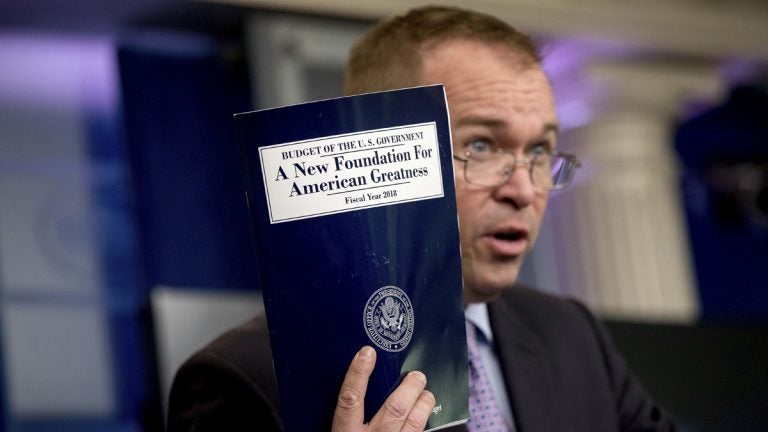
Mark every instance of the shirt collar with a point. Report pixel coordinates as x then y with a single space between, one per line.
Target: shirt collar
477 314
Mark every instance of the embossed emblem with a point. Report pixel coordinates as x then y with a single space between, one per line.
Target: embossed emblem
388 318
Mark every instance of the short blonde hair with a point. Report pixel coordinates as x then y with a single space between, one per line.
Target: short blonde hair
390 54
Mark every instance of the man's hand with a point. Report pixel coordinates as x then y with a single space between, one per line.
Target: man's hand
405 410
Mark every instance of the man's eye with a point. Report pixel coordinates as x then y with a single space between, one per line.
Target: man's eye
540 149
479 146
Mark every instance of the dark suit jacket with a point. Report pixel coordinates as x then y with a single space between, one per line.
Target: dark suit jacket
561 371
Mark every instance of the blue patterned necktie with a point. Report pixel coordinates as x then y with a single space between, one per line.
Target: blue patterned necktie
484 414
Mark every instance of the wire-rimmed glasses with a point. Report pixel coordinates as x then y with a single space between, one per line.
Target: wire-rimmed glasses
492 169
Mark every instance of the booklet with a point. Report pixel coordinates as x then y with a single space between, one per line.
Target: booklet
353 212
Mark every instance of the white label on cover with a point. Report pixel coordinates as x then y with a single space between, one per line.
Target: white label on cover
341 173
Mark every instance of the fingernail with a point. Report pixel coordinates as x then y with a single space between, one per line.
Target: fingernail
366 353
418 375
428 394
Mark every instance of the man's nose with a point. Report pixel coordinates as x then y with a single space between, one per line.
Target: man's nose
518 189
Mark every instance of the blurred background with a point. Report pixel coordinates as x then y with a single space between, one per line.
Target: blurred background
124 239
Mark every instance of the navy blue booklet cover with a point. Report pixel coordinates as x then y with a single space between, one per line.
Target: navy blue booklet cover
353 211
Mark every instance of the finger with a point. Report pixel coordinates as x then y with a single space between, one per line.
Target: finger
417 418
393 414
350 406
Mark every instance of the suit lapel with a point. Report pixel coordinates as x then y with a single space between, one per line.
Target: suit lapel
526 369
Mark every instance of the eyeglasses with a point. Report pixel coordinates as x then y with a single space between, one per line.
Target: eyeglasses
492 169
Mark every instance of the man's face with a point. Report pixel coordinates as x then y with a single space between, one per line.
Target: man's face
494 101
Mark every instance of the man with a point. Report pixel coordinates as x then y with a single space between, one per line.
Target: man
549 364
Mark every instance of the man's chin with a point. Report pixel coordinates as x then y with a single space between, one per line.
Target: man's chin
486 292
484 283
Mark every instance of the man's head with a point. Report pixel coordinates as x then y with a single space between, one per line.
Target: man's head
390 54
499 100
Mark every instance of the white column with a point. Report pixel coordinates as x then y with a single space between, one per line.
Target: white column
620 232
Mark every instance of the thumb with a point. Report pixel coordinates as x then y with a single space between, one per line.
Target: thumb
350 406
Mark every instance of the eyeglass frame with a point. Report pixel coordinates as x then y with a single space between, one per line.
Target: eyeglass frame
568 158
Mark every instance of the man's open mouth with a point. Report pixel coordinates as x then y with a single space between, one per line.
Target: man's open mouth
510 235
